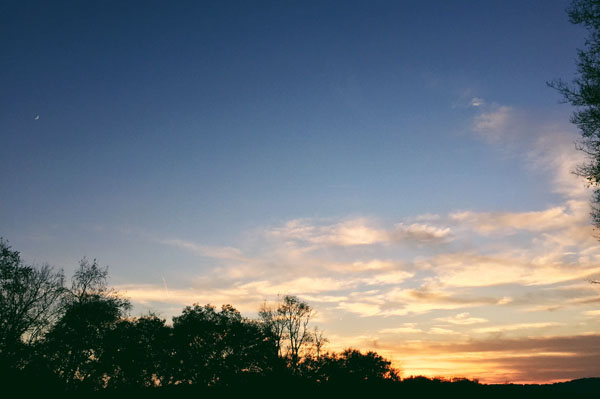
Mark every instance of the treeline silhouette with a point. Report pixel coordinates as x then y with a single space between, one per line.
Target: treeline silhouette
77 339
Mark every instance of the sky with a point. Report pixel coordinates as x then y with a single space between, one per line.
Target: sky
402 166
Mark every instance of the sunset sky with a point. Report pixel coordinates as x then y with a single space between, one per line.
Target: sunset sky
402 166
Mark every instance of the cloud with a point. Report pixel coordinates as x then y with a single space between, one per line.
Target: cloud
324 298
462 319
546 147
421 233
592 313
496 124
393 277
298 286
559 217
347 233
555 151
369 265
156 296
354 280
361 308
357 232
427 217
228 253
397 301
406 328
247 295
515 327
442 331
468 269
477 102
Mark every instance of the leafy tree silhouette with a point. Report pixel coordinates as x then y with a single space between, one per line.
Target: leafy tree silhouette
352 366
218 348
74 347
137 352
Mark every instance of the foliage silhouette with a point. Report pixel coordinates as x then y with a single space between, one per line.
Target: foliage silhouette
584 94
29 304
219 348
74 347
353 366
137 353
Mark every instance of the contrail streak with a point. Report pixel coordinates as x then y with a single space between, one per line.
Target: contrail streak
165 284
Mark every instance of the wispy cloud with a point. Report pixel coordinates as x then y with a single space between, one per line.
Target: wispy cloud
555 151
496 123
442 331
392 277
515 327
298 286
462 319
468 269
396 301
154 296
421 233
357 232
546 147
406 328
559 217
229 253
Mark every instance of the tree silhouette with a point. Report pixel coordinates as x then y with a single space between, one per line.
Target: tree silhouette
137 352
297 315
273 325
352 366
319 341
218 348
288 324
74 347
29 304
584 94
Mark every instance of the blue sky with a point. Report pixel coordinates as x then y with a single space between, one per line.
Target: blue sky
402 166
